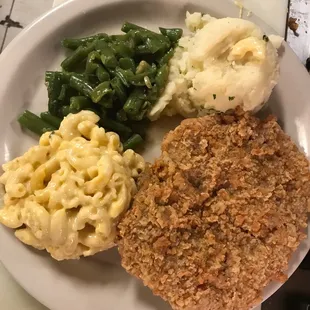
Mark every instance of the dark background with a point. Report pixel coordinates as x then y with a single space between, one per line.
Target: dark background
295 293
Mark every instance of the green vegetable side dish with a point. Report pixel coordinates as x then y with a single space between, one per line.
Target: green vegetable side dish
119 77
35 123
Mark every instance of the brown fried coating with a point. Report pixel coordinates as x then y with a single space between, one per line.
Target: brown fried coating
219 214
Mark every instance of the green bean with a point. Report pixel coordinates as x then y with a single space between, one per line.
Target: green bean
124 75
134 102
64 111
103 113
62 76
100 91
94 55
34 123
108 58
115 126
162 77
66 93
140 127
79 103
159 55
91 66
92 79
119 37
102 74
54 84
48 76
106 102
89 78
122 49
142 67
128 78
133 38
81 85
166 58
75 43
111 72
30 116
143 50
129 26
101 45
147 82
121 116
120 90
77 56
133 142
174 34
152 94
142 113
66 76
127 64
94 110
54 106
152 41
63 91
51 119
155 44
146 106
139 79
152 45
126 27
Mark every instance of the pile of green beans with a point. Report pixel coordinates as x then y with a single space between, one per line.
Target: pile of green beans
119 77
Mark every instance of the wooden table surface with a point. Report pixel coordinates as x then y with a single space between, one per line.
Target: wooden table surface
14 16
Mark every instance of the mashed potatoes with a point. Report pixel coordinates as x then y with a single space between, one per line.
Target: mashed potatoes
225 63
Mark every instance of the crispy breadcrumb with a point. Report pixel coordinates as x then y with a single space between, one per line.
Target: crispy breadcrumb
219 214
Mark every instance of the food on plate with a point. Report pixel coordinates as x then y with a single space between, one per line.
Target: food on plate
219 214
119 77
223 64
39 125
66 194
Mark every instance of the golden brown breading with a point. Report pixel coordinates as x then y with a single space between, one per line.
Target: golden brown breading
219 214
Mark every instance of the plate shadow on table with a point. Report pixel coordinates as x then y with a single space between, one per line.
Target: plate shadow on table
273 107
146 296
109 262
143 293
88 268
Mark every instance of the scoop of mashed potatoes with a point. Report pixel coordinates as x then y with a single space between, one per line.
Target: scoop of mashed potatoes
66 194
225 63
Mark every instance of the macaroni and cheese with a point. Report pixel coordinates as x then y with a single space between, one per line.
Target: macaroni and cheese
66 194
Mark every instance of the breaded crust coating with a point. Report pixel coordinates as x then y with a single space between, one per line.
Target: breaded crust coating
219 214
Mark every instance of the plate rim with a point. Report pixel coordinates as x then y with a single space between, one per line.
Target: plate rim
73 8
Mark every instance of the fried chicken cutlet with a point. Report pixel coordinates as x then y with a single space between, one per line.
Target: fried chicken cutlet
219 214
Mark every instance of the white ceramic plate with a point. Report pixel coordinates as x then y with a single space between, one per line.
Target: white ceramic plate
99 282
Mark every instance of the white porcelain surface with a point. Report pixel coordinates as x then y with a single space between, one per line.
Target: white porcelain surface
99 282
273 12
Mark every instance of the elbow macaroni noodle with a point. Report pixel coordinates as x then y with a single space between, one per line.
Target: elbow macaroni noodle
66 194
